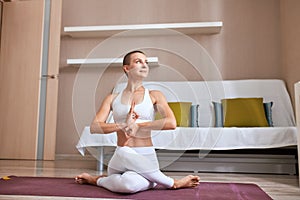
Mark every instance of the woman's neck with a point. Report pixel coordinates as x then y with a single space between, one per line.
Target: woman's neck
134 86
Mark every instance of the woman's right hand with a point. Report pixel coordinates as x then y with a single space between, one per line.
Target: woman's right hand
132 116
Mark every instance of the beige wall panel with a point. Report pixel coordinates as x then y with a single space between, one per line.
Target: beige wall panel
67 137
21 49
250 39
108 12
290 17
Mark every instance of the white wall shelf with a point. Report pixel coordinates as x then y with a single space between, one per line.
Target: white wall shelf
105 62
109 30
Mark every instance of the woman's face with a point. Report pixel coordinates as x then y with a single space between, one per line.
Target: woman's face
138 66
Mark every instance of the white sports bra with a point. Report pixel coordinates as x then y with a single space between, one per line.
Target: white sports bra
145 109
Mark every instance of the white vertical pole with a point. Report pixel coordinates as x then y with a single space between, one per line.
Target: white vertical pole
43 89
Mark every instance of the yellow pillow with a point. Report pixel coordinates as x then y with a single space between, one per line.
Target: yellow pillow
244 112
181 111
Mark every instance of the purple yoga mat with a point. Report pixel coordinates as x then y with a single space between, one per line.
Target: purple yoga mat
66 187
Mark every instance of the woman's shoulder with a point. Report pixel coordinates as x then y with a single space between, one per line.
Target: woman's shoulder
111 97
156 95
155 92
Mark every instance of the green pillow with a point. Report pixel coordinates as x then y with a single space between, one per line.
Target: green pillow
181 111
244 112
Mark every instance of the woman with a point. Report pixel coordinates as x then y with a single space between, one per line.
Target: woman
134 165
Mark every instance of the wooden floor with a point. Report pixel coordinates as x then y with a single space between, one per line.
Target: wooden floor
281 187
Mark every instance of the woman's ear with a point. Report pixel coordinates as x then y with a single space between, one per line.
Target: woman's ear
125 69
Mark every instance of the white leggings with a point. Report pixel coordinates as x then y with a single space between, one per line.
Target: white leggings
132 170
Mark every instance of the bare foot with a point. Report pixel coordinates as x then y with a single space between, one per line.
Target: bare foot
186 182
86 178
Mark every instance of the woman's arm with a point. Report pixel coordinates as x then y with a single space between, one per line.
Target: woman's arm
99 124
168 120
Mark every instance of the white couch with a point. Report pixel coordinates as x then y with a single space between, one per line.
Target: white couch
208 137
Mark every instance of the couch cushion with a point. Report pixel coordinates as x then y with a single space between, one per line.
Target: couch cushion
244 112
218 111
182 114
268 112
